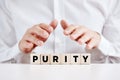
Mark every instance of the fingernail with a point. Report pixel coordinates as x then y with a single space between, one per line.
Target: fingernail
29 45
89 47
51 29
66 32
73 36
40 43
80 42
45 35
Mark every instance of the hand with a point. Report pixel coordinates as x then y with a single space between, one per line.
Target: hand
82 35
36 36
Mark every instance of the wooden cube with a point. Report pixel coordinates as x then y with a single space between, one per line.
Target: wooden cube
45 58
34 58
65 59
85 58
75 58
55 59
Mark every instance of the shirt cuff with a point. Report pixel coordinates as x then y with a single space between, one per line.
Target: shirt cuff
9 54
19 56
15 51
107 48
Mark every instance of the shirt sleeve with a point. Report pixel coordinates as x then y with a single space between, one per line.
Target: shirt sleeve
8 42
110 40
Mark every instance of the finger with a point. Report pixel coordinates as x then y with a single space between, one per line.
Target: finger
46 27
27 47
54 24
34 40
39 32
85 38
78 32
69 30
91 44
64 24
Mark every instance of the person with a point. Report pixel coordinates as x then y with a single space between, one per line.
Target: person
59 26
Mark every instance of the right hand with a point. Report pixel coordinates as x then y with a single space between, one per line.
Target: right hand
36 36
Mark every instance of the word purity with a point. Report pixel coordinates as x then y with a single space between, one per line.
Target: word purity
59 59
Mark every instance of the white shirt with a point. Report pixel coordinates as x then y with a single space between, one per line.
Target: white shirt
102 16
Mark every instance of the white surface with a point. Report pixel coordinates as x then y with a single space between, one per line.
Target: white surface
60 72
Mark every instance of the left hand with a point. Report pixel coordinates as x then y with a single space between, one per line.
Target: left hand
82 35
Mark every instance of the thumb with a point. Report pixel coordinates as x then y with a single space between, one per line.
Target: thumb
64 24
54 23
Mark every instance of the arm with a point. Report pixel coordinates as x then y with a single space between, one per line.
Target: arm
110 41
10 48
8 43
105 45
